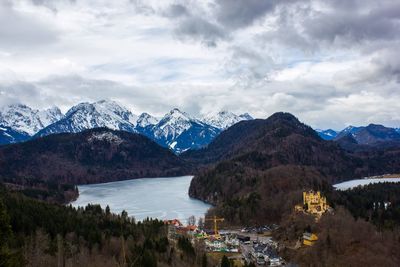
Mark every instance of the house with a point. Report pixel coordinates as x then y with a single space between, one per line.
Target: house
174 222
309 239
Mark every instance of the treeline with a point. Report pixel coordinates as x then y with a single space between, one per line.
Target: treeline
377 203
50 191
37 233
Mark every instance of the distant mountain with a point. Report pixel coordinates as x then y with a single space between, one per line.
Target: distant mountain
9 136
280 139
25 120
92 156
348 130
349 143
181 132
225 119
177 130
93 115
146 120
373 134
327 134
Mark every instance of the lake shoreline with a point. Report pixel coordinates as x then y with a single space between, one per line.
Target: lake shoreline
347 185
156 197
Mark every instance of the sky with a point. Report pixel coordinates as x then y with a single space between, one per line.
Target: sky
331 63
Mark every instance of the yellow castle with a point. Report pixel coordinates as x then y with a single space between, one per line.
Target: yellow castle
313 203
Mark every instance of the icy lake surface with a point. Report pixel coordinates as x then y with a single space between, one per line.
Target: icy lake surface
162 198
360 182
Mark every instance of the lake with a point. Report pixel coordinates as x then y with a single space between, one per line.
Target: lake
361 182
162 198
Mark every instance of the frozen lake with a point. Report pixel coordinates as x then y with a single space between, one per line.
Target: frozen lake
162 198
354 183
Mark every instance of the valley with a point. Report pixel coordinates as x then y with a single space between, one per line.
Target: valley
252 173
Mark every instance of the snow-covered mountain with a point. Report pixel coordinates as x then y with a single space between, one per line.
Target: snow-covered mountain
225 119
327 134
179 131
9 136
173 124
370 135
26 120
93 115
349 130
246 116
145 120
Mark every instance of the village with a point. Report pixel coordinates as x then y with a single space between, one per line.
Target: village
248 245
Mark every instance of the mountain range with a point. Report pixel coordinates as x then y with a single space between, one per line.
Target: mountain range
26 120
370 135
177 130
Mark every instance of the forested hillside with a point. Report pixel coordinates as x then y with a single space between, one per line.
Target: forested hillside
36 233
260 164
51 166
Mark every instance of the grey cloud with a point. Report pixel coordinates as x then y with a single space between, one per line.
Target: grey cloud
356 24
197 28
238 13
141 7
176 10
26 30
18 92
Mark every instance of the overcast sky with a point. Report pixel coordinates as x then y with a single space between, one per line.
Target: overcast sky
331 63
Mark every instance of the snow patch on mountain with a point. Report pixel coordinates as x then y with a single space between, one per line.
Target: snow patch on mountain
10 136
327 134
105 136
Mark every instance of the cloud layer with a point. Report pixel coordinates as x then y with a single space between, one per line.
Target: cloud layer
331 63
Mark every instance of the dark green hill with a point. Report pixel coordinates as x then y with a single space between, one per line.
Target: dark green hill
93 156
258 168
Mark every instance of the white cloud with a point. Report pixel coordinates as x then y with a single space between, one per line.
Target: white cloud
331 63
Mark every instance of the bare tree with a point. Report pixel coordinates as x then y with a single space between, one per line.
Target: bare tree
200 223
192 220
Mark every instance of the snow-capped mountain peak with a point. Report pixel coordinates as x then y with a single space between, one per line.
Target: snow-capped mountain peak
246 116
26 120
145 119
93 115
225 119
174 123
50 115
176 114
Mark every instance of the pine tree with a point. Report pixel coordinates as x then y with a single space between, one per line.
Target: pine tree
225 262
204 262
